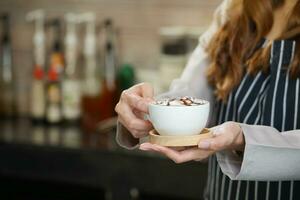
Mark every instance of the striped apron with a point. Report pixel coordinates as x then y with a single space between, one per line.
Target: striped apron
264 99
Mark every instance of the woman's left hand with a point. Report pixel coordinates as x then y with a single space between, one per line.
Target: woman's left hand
227 136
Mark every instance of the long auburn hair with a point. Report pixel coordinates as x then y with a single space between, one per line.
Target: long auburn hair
234 44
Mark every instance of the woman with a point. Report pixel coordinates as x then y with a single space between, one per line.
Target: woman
250 57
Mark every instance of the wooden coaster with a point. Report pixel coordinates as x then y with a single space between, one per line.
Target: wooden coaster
178 141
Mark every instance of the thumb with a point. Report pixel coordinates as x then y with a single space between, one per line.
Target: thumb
216 143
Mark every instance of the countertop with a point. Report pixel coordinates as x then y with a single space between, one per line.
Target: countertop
67 155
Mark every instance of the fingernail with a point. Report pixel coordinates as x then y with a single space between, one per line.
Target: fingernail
144 148
204 144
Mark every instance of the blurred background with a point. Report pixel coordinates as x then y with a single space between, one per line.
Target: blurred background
63 65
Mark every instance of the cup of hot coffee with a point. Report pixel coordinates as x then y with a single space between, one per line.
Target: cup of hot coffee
180 116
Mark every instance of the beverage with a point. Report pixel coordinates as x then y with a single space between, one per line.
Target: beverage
96 109
181 101
179 116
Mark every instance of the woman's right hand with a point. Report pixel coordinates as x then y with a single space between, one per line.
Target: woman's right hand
132 107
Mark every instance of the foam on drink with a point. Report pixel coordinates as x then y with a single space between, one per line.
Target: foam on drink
180 101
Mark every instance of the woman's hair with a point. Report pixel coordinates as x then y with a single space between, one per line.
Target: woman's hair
234 45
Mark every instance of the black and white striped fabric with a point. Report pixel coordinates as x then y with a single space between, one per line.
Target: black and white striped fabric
265 99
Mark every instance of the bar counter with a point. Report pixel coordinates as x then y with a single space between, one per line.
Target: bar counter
64 155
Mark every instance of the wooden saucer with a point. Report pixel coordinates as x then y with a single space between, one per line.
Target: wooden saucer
178 141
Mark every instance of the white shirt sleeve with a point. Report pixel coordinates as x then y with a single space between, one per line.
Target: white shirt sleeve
269 155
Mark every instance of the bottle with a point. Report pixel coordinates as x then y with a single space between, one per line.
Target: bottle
57 56
110 59
54 78
110 90
92 81
71 86
8 104
53 111
100 94
37 95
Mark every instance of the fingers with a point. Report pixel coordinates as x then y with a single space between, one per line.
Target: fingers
147 90
177 156
136 102
136 133
138 114
170 153
139 96
213 144
138 127
132 121
132 106
217 143
224 137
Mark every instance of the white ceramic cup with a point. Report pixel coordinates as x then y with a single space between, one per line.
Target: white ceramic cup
179 120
